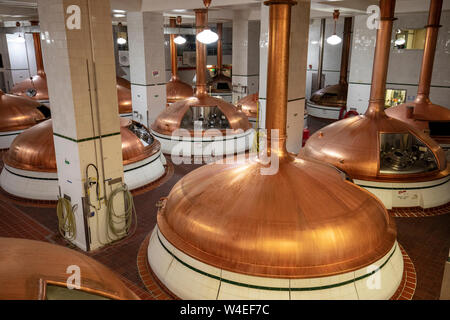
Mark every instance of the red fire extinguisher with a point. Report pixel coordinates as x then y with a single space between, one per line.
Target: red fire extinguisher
305 136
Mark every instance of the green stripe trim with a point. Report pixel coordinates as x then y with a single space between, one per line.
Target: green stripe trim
33 178
274 288
413 188
10 134
399 84
86 139
144 165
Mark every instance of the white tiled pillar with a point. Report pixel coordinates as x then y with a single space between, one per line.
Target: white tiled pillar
80 69
147 65
245 55
297 71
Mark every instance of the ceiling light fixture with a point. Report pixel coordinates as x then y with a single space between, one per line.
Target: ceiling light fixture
207 36
179 39
334 39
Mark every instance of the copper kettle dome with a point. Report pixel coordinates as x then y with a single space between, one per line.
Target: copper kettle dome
249 105
373 146
124 95
30 268
18 113
302 221
34 87
176 89
33 150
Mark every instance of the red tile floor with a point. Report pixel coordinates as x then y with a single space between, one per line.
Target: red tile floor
426 240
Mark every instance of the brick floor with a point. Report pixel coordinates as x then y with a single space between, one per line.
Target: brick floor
427 240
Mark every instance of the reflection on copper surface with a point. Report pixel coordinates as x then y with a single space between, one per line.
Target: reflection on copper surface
422 111
304 221
124 95
34 150
18 113
27 266
220 83
353 144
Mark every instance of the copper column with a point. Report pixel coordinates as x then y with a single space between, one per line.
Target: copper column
173 48
278 70
200 21
346 50
38 49
321 52
433 26
219 48
381 59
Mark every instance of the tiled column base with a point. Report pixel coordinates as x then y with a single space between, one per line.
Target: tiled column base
408 285
418 212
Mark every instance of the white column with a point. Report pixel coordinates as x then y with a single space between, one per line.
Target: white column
80 69
297 72
245 55
147 65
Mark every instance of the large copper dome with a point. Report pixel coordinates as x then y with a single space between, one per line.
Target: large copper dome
249 105
178 90
305 221
34 150
353 146
124 95
18 113
29 267
34 87
171 118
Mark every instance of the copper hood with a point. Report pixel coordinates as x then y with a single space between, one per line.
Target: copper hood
34 150
176 89
336 95
172 117
303 221
18 113
249 105
354 145
28 267
36 86
422 111
220 83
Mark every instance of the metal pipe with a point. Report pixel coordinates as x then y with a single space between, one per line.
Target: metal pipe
173 49
200 22
345 57
38 49
381 59
219 48
321 51
433 26
278 71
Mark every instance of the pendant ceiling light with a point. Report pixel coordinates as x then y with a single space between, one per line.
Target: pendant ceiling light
179 39
334 39
207 36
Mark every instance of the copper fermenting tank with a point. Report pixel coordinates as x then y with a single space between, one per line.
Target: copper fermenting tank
381 153
212 112
35 270
231 231
34 150
176 89
422 113
220 83
335 96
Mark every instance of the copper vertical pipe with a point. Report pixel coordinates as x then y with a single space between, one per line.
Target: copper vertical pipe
38 53
200 21
381 59
321 51
433 26
345 57
219 48
173 49
278 70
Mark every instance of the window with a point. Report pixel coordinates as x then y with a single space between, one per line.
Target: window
394 97
410 39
